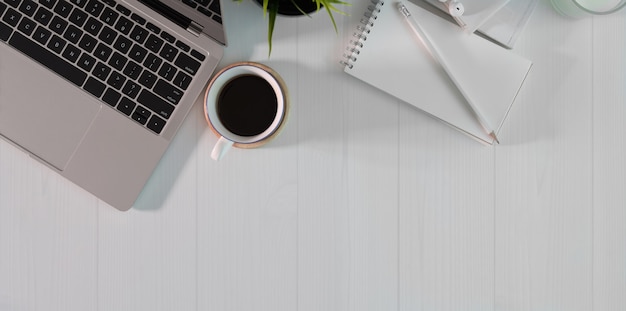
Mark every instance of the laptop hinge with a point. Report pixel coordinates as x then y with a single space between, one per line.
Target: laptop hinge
195 28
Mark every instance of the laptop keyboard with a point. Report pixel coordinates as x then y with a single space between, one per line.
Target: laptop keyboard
106 50
210 8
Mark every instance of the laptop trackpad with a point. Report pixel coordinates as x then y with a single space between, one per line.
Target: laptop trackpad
40 111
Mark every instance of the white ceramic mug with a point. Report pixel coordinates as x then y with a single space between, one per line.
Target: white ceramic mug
583 8
220 82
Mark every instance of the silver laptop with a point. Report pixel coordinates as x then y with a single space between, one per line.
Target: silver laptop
96 89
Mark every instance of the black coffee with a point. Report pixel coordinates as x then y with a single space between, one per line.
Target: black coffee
247 105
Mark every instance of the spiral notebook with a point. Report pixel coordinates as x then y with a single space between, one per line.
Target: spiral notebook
388 55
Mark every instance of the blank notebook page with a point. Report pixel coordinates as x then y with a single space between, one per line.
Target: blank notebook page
393 59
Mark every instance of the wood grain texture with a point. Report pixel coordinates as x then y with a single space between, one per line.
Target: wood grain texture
446 228
361 203
609 172
543 235
48 238
247 206
324 209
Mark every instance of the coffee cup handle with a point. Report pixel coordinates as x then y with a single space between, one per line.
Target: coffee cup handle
220 148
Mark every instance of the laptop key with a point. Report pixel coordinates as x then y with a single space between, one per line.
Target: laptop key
167 72
143 112
78 18
79 3
73 34
152 27
182 80
155 103
139 117
187 64
101 71
203 2
28 7
94 87
138 19
58 25
47 3
27 26
169 38
137 53
86 62
139 34
215 6
124 25
156 124
122 44
181 45
2 8
12 17
133 70
107 35
201 57
94 7
48 59
88 43
111 97
168 91
205 11
122 9
118 61
147 79
71 53
126 106
152 62
131 89
154 43
13 3
169 52
116 80
63 8
190 3
109 16
103 52
93 26
43 16
42 35
5 31
56 44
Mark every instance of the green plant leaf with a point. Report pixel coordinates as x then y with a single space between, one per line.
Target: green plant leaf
332 18
273 10
270 7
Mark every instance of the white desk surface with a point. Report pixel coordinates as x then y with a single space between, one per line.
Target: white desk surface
362 203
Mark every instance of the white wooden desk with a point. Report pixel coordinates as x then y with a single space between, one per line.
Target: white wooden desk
362 203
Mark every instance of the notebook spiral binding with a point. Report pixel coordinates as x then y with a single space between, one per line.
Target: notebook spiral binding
360 36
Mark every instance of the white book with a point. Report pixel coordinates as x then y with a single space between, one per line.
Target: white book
503 25
509 22
477 12
390 57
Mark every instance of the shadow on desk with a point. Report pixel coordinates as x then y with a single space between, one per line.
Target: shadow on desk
177 161
172 165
